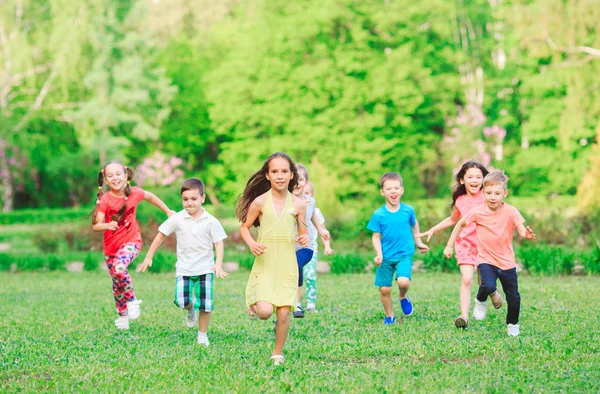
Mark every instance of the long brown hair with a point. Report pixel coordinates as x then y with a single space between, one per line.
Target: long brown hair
101 190
460 189
259 184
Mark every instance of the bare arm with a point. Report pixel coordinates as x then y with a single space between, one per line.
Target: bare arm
219 251
376 240
253 213
100 225
157 202
300 207
158 240
417 237
449 249
526 232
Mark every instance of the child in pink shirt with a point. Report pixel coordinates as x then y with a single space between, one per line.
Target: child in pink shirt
466 195
495 223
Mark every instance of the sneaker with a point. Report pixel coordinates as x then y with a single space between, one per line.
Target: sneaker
407 306
480 309
191 318
298 313
461 322
389 320
311 308
496 298
513 330
203 340
122 323
133 309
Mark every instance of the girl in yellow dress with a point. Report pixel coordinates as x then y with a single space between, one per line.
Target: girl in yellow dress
267 203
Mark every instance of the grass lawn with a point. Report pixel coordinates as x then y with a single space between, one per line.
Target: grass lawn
57 334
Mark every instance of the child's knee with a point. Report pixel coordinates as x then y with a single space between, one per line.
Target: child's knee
467 281
264 312
385 291
403 283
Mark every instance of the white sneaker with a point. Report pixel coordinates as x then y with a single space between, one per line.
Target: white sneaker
310 307
133 308
122 323
191 318
480 309
203 340
513 330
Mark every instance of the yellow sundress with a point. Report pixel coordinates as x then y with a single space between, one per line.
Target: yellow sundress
274 276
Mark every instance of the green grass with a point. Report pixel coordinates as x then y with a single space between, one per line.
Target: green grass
58 335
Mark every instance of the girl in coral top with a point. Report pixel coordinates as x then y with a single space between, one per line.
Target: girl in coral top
467 194
115 215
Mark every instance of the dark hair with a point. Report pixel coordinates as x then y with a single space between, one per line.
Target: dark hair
390 176
460 189
495 178
301 167
129 173
192 184
258 184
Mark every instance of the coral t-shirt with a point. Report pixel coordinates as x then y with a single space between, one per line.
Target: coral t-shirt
495 234
129 230
464 204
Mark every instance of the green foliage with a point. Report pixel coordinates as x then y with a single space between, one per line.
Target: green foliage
546 259
56 263
48 242
351 263
90 263
435 261
6 261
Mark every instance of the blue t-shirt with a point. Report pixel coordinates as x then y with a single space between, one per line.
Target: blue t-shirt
395 228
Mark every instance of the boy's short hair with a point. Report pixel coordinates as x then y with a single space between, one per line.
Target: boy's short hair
495 178
192 184
390 176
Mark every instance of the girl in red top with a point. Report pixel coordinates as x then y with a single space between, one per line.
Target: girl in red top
115 215
466 195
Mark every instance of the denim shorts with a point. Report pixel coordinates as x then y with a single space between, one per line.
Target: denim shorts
384 275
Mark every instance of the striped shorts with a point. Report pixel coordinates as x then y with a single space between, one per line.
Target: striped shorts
196 289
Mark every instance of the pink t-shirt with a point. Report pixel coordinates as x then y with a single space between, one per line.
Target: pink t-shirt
495 234
464 204
129 230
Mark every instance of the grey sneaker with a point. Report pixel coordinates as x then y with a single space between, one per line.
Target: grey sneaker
480 309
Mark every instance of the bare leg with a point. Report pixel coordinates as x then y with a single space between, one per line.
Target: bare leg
283 326
299 294
403 285
466 283
203 321
386 300
263 309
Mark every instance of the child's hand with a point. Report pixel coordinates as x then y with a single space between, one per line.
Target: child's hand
422 247
258 249
378 260
529 233
303 240
429 233
142 267
328 251
325 235
112 226
448 251
219 271
170 213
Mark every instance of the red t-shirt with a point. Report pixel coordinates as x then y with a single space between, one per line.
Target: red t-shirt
129 230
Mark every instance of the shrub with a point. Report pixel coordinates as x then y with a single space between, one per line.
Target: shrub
5 262
546 259
48 242
56 263
348 263
78 240
90 263
31 263
162 262
435 261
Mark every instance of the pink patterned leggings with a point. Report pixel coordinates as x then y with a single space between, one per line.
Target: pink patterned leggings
117 267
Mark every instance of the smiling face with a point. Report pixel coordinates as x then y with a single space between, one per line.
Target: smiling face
299 189
115 177
192 201
279 174
494 195
472 180
392 190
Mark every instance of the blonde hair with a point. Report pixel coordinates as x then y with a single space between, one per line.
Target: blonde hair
495 178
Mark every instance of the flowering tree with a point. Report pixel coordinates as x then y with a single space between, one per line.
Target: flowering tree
158 170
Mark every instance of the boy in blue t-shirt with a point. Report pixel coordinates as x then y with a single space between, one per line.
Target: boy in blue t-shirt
394 227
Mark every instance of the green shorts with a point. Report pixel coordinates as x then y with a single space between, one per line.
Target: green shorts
384 275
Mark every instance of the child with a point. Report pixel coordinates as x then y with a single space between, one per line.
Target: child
197 232
115 215
305 255
395 235
495 222
467 194
309 271
267 203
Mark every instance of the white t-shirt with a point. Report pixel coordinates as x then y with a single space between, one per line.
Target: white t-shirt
315 232
195 241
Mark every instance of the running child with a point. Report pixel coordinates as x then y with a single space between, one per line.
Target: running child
495 222
198 233
115 215
395 235
267 203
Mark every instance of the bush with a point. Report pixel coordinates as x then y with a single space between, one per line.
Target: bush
56 263
435 261
40 216
162 262
546 260
31 263
78 240
48 242
90 263
590 260
351 263
5 261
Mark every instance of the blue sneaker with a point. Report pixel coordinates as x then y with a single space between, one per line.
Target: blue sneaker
407 307
389 320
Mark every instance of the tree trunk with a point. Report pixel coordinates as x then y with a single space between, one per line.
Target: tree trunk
8 194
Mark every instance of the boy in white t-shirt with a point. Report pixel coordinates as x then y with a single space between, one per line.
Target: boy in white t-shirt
197 232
